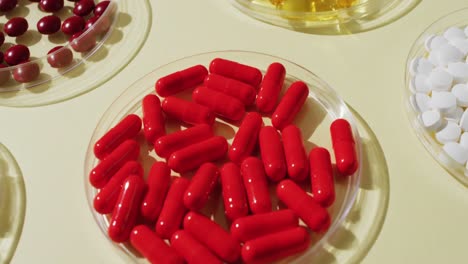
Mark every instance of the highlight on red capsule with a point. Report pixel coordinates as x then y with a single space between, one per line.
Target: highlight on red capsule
295 153
191 249
188 112
153 119
290 105
235 70
181 80
256 185
233 192
321 176
201 186
270 88
271 150
222 104
159 179
344 147
246 137
242 91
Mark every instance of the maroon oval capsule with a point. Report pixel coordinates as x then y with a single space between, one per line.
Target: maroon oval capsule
233 190
49 25
101 7
344 147
16 26
272 247
83 7
26 72
4 74
7 5
234 70
296 199
201 186
295 153
182 80
213 236
166 145
153 248
100 24
271 87
192 250
2 38
256 185
127 151
51 5
127 128
222 104
1 57
187 111
241 91
321 177
73 25
272 153
16 54
104 202
153 120
246 137
290 105
173 210
81 42
125 212
59 57
159 179
193 156
254 226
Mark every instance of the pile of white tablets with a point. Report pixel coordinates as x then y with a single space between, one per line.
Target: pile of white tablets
439 83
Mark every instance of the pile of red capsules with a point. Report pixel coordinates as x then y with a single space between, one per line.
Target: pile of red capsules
85 14
165 207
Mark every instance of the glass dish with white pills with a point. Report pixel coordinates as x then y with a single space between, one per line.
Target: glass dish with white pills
436 78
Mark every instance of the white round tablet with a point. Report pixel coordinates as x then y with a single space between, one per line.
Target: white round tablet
464 140
447 54
445 102
454 33
459 71
421 102
433 58
433 42
450 133
421 83
456 152
461 94
431 120
439 80
466 31
461 45
455 115
464 121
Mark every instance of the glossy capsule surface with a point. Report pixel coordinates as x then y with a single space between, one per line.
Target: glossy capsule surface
290 105
270 88
188 112
153 248
310 211
233 191
83 7
127 151
59 57
173 210
158 182
16 54
26 72
242 91
104 202
51 5
235 70
49 25
16 26
246 137
168 144
191 250
73 25
344 147
256 185
201 186
254 226
126 210
193 156
272 247
100 8
213 236
81 42
321 176
127 128
182 80
220 103
153 120
271 149
295 153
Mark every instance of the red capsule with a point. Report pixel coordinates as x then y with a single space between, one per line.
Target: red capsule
104 202
201 186
2 38
254 226
256 185
313 215
51 5
272 153
153 120
101 24
127 151
81 42
159 179
295 153
59 57
272 247
7 5
49 25
101 7
16 26
126 211
271 87
241 91
166 145
173 210
193 156
127 128
192 250
73 25
4 74
321 177
182 80
153 248
83 7
26 72
220 103
290 105
234 70
213 236
187 111
234 197
344 147
16 55
246 138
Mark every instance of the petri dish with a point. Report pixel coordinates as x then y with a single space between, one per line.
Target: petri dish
458 18
12 205
321 108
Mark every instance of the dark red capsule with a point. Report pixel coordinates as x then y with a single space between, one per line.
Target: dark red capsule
188 112
59 57
16 54
73 25
290 105
294 152
51 5
234 70
83 7
101 24
271 87
4 74
241 91
201 186
234 196
182 80
26 72
321 177
246 137
256 185
49 25
2 38
220 103
81 42
192 250
344 147
7 5
272 153
101 8
16 26
159 179
153 120
1 57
